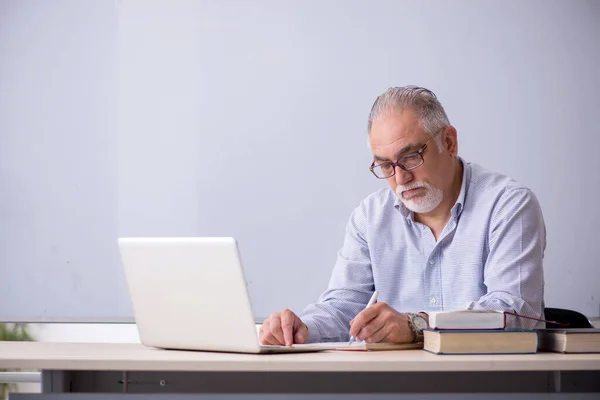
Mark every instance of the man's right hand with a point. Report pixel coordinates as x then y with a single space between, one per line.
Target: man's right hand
283 328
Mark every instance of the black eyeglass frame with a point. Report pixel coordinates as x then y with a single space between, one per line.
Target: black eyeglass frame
400 164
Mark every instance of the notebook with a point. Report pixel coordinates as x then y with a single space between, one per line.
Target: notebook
363 346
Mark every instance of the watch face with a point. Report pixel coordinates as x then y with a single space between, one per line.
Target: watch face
419 322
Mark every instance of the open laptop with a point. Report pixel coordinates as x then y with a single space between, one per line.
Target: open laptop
190 294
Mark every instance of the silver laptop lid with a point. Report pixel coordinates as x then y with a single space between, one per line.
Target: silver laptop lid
189 293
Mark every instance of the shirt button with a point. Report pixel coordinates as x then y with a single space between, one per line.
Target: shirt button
431 262
433 300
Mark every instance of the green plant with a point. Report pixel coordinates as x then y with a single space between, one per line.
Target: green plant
14 333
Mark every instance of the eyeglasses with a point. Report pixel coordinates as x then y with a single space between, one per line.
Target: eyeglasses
407 162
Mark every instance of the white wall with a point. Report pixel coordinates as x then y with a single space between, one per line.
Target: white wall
58 161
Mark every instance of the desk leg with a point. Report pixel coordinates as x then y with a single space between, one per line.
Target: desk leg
125 382
556 380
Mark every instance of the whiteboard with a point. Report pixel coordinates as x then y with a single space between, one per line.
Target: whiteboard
248 119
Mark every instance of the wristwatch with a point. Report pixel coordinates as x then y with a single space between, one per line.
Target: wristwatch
417 323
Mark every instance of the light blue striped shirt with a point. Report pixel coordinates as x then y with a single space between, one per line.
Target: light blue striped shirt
489 256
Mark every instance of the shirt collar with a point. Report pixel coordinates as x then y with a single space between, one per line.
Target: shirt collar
466 178
460 201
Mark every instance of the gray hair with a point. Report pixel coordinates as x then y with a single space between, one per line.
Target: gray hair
423 102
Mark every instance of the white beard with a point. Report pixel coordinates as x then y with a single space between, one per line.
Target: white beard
420 204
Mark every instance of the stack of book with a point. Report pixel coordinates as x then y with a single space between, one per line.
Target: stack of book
573 340
476 332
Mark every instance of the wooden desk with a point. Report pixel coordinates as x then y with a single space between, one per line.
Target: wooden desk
133 368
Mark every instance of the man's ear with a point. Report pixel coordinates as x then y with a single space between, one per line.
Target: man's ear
450 143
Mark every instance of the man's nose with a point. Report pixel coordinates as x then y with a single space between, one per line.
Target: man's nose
402 177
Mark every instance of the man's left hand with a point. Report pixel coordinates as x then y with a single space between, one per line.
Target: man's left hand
381 323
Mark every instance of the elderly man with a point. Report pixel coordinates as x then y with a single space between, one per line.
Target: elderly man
446 234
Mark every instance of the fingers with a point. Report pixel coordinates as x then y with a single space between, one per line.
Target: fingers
287 326
283 328
301 333
364 317
270 331
266 337
377 332
374 327
264 333
390 326
275 328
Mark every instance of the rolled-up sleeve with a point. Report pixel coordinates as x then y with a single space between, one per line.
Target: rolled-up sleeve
513 272
349 289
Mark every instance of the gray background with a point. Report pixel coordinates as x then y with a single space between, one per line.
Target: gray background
247 119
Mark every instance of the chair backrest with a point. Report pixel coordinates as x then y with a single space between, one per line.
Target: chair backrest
573 318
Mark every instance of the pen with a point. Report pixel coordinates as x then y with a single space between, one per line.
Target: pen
369 304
